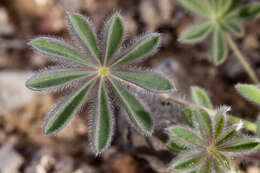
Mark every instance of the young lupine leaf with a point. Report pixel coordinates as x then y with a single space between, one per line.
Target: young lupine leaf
55 78
114 37
65 110
249 11
200 97
218 47
186 136
135 109
175 147
56 48
189 162
195 6
197 33
84 30
250 92
234 28
205 125
142 48
233 4
219 124
103 123
241 146
91 74
148 81
189 115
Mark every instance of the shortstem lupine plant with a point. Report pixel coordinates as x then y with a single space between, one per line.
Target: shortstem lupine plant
221 18
98 70
207 145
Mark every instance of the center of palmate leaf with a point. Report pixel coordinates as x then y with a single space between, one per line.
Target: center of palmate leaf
103 71
215 18
211 150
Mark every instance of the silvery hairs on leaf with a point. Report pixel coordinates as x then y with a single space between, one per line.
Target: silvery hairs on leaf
207 144
220 17
97 76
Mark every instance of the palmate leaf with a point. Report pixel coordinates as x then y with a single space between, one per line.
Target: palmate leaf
218 48
250 92
84 30
195 6
94 76
200 97
136 111
56 48
207 167
65 110
148 81
114 35
141 48
55 78
196 33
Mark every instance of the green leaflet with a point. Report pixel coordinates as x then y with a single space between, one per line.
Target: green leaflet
65 110
103 122
54 47
234 28
186 136
218 47
227 135
219 124
189 117
249 11
211 4
250 92
115 35
148 81
205 125
258 128
195 6
242 146
197 33
141 48
207 167
187 162
135 109
222 160
200 97
86 34
55 78
175 147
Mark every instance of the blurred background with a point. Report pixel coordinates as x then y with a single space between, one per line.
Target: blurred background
23 147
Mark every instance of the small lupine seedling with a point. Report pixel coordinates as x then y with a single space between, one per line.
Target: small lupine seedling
221 19
207 144
97 72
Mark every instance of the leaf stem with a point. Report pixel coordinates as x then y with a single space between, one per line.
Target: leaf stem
242 59
230 118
